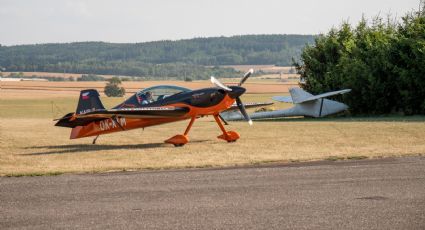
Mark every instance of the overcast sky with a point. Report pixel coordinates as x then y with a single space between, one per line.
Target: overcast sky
45 21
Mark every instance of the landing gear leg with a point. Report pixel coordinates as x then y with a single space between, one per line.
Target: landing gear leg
180 140
229 136
95 139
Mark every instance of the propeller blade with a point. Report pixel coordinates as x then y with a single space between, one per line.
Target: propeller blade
243 111
219 84
246 76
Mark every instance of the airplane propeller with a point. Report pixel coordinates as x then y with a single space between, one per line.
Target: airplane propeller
237 94
243 111
246 76
219 84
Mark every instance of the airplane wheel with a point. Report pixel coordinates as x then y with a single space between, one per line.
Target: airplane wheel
178 140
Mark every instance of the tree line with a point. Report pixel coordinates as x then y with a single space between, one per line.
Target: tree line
382 61
191 58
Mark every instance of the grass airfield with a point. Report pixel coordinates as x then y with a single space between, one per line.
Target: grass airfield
32 145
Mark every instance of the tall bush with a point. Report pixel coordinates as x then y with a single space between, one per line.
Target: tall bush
382 61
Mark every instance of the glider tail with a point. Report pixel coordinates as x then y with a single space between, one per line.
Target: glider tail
299 95
89 101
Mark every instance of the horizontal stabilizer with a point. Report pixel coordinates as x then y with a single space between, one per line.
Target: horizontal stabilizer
70 121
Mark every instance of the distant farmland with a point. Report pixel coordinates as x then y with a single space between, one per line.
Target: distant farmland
263 68
64 89
50 75
267 69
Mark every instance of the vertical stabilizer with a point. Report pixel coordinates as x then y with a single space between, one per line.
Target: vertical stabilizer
89 101
298 95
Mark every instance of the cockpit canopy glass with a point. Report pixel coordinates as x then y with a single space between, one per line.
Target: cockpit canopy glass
156 93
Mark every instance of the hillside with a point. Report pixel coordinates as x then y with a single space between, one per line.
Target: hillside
156 59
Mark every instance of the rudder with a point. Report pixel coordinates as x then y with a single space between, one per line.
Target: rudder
298 95
89 101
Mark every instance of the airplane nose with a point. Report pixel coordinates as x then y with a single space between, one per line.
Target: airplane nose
236 91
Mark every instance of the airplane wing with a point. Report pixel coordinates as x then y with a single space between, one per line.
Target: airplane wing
249 105
323 95
300 96
72 120
287 99
144 112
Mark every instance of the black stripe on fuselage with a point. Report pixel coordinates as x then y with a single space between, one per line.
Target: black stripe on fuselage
202 98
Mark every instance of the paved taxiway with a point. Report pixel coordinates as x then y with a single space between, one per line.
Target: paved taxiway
366 194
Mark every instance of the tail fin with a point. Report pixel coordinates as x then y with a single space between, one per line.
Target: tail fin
298 95
89 101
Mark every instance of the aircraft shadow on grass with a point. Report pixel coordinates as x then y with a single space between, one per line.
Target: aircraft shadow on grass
82 148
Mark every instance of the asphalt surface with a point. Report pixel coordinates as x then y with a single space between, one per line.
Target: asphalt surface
365 194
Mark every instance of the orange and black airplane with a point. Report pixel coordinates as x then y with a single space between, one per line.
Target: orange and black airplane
154 106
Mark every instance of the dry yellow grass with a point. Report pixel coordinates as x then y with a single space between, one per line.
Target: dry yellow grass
32 145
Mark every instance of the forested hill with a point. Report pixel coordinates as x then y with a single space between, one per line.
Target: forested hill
140 59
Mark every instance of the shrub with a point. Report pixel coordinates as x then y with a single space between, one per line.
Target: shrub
113 89
382 62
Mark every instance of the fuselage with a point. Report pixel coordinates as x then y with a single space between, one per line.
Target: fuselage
202 102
